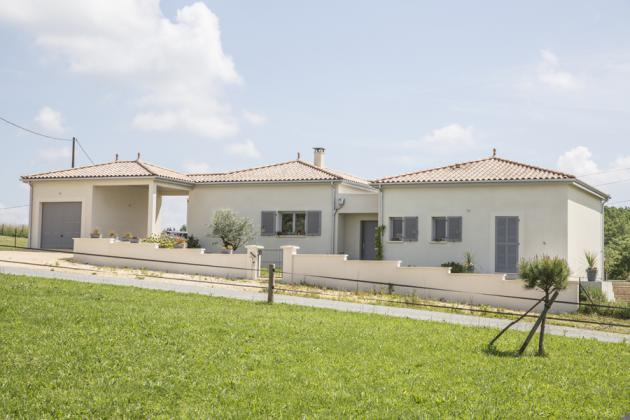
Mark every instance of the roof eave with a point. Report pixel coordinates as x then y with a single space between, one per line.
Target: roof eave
27 179
573 181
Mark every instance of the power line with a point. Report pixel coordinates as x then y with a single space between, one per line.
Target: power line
613 182
604 172
14 207
84 152
33 131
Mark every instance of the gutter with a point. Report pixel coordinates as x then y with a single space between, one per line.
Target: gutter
30 216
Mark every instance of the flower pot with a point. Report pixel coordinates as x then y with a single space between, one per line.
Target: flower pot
227 251
591 274
134 240
180 246
95 235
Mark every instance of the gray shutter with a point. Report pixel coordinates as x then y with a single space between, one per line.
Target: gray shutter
455 229
268 223
314 223
411 229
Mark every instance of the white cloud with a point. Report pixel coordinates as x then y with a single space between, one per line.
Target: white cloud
453 135
550 75
196 167
254 118
52 154
178 67
577 161
246 149
49 120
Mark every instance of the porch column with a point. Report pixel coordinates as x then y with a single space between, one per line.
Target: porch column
151 216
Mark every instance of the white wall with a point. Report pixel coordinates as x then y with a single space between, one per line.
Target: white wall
336 272
585 220
121 209
111 253
250 200
542 209
350 229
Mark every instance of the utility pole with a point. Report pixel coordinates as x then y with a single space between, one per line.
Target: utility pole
74 141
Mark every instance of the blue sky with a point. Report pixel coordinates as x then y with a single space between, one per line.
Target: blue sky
224 85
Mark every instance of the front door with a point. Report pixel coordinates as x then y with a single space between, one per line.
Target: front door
60 223
368 233
506 244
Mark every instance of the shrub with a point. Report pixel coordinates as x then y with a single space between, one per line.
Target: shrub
378 242
231 229
455 266
193 242
163 240
619 310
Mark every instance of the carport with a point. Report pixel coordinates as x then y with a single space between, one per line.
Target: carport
117 198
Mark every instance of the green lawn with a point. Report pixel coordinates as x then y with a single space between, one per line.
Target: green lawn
81 350
10 240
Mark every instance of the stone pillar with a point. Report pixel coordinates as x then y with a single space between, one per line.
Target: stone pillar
254 258
288 251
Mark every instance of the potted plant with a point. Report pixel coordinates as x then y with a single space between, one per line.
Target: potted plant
127 237
228 249
469 262
591 262
112 235
95 234
134 240
180 242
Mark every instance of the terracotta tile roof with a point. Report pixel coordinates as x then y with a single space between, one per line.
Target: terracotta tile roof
295 170
116 169
489 169
292 171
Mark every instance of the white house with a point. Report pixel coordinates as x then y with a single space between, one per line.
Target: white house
496 209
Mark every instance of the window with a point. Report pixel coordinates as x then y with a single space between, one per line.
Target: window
447 229
300 223
293 223
396 230
403 229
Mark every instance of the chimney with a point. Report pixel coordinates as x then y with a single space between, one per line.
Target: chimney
138 156
494 152
318 159
116 157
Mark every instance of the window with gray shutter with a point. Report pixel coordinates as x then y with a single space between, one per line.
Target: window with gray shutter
268 223
313 223
439 229
454 229
410 229
396 228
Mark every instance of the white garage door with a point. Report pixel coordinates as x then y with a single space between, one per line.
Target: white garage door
60 223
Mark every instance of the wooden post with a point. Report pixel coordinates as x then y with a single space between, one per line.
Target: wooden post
15 238
271 285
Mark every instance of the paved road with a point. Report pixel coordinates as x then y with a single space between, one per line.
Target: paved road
236 292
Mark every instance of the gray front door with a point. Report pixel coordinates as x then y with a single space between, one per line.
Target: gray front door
506 244
368 232
60 223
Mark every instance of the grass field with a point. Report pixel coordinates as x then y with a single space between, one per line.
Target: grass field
81 350
10 240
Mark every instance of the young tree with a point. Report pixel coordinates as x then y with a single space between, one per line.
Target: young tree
549 274
233 230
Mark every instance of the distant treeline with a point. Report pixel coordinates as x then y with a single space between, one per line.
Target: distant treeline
12 230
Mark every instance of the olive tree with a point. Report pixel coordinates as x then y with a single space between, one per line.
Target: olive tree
550 275
233 230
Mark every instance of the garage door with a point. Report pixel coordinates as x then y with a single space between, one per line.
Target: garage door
60 223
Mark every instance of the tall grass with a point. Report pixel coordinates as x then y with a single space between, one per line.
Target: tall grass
11 230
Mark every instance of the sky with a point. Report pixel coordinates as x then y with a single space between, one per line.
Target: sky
224 85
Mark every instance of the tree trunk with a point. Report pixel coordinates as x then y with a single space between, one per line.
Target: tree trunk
514 322
543 315
541 337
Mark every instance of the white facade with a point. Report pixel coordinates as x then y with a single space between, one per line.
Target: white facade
556 219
